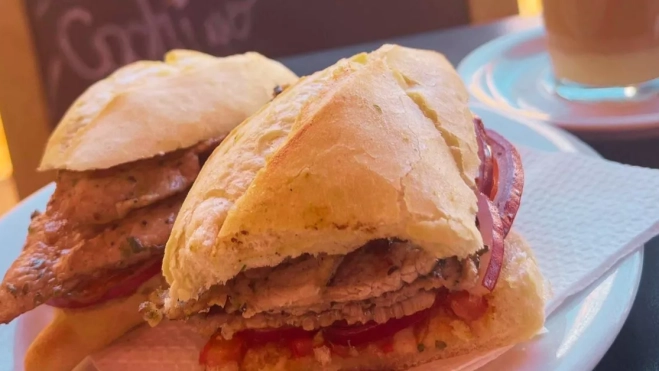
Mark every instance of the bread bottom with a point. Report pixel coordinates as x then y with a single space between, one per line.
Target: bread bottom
74 334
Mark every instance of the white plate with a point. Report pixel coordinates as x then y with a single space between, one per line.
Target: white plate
513 73
580 331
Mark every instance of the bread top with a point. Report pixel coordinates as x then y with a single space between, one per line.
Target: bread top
378 145
149 108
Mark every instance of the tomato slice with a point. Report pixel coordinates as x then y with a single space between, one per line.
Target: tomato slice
338 337
466 306
264 336
301 347
371 331
387 345
218 351
116 285
462 303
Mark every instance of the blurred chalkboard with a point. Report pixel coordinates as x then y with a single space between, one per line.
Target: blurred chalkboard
81 41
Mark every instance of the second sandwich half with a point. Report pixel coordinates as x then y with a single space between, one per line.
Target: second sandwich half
126 154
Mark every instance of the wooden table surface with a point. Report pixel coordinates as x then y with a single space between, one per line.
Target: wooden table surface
637 346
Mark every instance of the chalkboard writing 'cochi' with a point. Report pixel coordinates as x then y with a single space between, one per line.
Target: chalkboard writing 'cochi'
87 40
79 42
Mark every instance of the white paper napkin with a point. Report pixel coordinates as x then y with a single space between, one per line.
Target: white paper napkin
579 214
582 214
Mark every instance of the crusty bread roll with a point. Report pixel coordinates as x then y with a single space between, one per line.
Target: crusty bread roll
142 110
149 108
379 145
73 334
515 314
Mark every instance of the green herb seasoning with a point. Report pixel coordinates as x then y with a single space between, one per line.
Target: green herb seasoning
421 347
440 344
377 108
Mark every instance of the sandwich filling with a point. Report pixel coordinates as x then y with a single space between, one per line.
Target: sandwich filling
382 280
102 234
364 297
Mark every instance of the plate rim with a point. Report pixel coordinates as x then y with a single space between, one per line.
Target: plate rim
468 66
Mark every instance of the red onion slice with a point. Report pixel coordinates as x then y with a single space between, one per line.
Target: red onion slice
484 180
500 184
509 179
491 228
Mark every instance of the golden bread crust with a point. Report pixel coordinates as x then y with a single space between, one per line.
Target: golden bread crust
359 151
148 108
73 334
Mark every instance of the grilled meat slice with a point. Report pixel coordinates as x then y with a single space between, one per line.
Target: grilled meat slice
103 196
353 312
367 284
58 256
97 224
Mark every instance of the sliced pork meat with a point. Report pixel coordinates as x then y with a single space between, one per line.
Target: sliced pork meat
102 196
382 280
377 268
309 282
349 313
58 256
97 225
297 283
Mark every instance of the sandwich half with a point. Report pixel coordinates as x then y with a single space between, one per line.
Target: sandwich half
360 220
126 154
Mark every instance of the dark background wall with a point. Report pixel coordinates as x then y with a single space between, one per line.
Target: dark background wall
81 41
